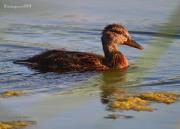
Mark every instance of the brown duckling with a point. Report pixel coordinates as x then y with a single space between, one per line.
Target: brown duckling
65 61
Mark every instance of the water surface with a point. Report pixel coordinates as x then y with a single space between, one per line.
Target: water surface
77 26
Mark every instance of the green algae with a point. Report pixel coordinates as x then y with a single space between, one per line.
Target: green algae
15 124
141 101
10 93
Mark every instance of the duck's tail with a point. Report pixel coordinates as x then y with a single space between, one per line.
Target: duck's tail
25 62
20 62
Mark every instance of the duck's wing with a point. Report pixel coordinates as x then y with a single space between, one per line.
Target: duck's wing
37 59
58 60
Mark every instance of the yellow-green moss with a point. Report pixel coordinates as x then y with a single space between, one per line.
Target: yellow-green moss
162 97
131 103
10 93
141 101
15 124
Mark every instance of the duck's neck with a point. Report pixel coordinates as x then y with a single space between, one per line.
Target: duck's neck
114 58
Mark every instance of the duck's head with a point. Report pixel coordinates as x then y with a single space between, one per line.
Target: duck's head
116 34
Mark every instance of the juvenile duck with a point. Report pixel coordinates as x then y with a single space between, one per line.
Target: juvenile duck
65 61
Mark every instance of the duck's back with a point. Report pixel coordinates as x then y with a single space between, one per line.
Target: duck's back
64 61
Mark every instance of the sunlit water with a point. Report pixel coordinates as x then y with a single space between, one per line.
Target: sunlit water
77 26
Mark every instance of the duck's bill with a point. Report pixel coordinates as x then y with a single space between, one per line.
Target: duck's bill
134 44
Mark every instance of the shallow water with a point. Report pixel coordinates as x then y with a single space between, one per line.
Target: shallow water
77 27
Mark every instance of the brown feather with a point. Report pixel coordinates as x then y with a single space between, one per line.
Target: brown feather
63 61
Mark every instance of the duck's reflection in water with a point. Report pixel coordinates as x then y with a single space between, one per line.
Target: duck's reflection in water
112 82
111 86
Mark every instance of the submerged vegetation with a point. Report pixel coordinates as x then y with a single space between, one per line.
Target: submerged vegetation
131 103
10 93
15 124
161 97
141 101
